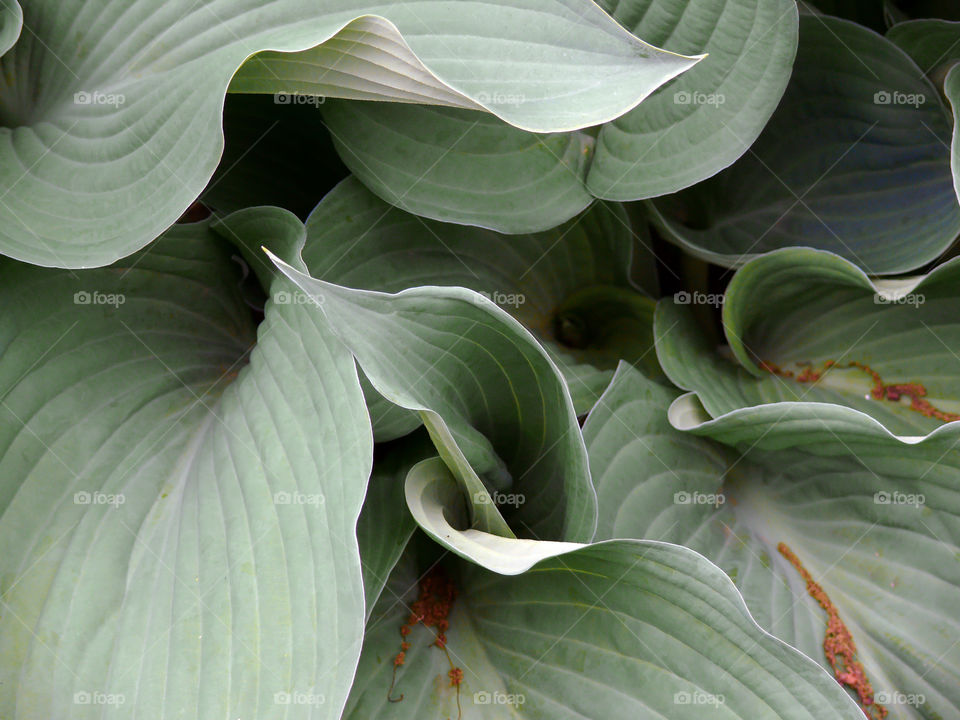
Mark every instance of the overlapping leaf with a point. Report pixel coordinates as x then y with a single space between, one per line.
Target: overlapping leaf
622 629
806 325
570 286
854 161
177 512
874 521
103 104
460 166
492 399
935 47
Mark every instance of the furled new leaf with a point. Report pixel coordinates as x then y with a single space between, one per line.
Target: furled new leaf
807 325
620 629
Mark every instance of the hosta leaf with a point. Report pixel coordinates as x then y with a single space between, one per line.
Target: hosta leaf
935 47
873 520
931 43
384 528
788 314
464 167
569 286
11 23
707 118
494 403
872 183
178 510
284 233
104 103
622 629
951 87
569 64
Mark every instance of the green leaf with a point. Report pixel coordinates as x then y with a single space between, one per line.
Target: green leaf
707 118
873 520
931 44
11 23
382 531
622 629
178 509
935 47
873 169
93 120
795 310
494 403
463 167
951 87
569 286
284 233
